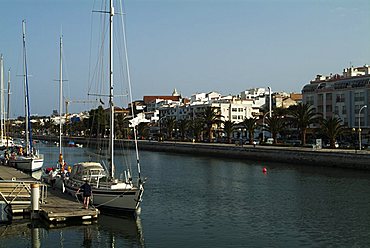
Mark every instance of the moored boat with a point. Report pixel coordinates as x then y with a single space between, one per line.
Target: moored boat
28 158
109 192
27 163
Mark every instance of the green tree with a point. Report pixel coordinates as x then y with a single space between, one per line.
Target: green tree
251 125
98 121
196 126
211 117
332 128
143 130
274 125
170 125
183 126
77 127
229 127
302 116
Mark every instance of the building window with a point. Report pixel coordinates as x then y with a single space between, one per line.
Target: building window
362 96
345 122
328 96
340 98
234 109
344 110
320 99
357 108
359 96
336 110
329 108
309 100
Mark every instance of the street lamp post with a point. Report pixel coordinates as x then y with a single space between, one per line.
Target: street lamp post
270 101
263 125
354 138
359 126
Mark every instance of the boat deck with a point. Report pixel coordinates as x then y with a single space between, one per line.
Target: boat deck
56 207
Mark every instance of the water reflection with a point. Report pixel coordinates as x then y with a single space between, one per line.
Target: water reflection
121 228
107 231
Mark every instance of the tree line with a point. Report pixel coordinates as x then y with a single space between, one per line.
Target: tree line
296 122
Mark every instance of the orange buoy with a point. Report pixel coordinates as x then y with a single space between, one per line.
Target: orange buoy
264 170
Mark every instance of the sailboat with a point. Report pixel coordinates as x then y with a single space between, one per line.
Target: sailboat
5 141
60 168
108 191
28 158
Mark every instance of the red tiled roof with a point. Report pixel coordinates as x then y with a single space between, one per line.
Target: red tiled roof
148 99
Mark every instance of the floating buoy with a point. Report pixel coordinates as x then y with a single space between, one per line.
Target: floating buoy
264 170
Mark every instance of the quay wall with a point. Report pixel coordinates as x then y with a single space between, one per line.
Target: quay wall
291 155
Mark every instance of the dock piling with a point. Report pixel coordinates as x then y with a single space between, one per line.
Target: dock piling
35 198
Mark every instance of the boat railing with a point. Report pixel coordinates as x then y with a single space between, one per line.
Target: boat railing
13 192
95 177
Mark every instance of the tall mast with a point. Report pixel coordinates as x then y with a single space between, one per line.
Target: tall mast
26 103
60 94
2 97
8 111
111 104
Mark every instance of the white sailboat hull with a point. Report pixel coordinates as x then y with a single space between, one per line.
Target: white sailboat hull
117 200
27 164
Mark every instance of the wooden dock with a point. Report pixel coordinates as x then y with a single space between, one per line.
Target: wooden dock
61 207
54 206
11 174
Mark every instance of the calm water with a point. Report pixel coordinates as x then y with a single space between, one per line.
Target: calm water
205 202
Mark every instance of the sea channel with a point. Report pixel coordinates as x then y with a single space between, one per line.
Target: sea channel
202 201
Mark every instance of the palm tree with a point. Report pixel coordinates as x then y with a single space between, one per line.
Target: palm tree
170 124
332 128
143 130
196 126
183 127
211 117
228 129
274 125
250 124
120 124
302 116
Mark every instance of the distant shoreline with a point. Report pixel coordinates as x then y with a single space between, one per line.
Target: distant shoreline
340 158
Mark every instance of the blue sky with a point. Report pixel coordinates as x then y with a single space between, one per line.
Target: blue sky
191 45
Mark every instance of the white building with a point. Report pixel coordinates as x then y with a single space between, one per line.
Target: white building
343 96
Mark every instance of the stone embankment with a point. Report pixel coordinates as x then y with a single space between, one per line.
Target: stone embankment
292 155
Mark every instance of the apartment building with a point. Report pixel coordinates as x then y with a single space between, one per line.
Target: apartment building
343 96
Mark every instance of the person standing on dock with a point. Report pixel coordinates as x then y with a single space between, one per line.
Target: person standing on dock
53 177
87 191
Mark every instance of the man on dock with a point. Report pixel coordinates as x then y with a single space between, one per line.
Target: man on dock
87 191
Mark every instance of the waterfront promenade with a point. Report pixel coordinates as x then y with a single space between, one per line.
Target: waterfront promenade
342 158
293 155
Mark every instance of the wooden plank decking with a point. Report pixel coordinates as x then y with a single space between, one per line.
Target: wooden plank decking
60 207
11 173
57 207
